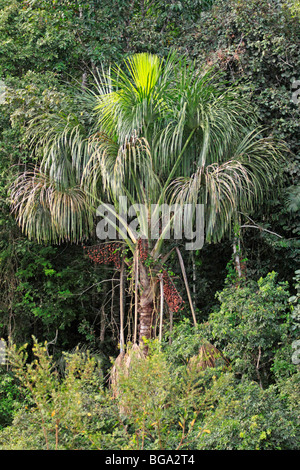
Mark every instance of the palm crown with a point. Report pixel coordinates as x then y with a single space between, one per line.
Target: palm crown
158 130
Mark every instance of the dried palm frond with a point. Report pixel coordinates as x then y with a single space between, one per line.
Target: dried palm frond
122 366
207 357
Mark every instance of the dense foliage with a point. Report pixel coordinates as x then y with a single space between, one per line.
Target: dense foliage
167 400
53 292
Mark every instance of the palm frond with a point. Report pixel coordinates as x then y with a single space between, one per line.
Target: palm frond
119 169
45 212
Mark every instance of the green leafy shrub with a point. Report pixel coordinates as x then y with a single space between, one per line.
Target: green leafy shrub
59 408
248 418
153 405
11 397
251 324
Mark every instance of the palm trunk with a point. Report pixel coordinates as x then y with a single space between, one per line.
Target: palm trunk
136 284
146 304
161 283
122 341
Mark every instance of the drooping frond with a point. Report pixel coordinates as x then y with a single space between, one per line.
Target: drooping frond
263 158
46 212
238 184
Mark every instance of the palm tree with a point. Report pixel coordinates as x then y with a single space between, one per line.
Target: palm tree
156 131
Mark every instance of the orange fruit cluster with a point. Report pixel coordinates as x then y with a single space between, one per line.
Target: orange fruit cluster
105 254
173 299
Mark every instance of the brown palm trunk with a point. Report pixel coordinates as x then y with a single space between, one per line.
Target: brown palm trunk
146 304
